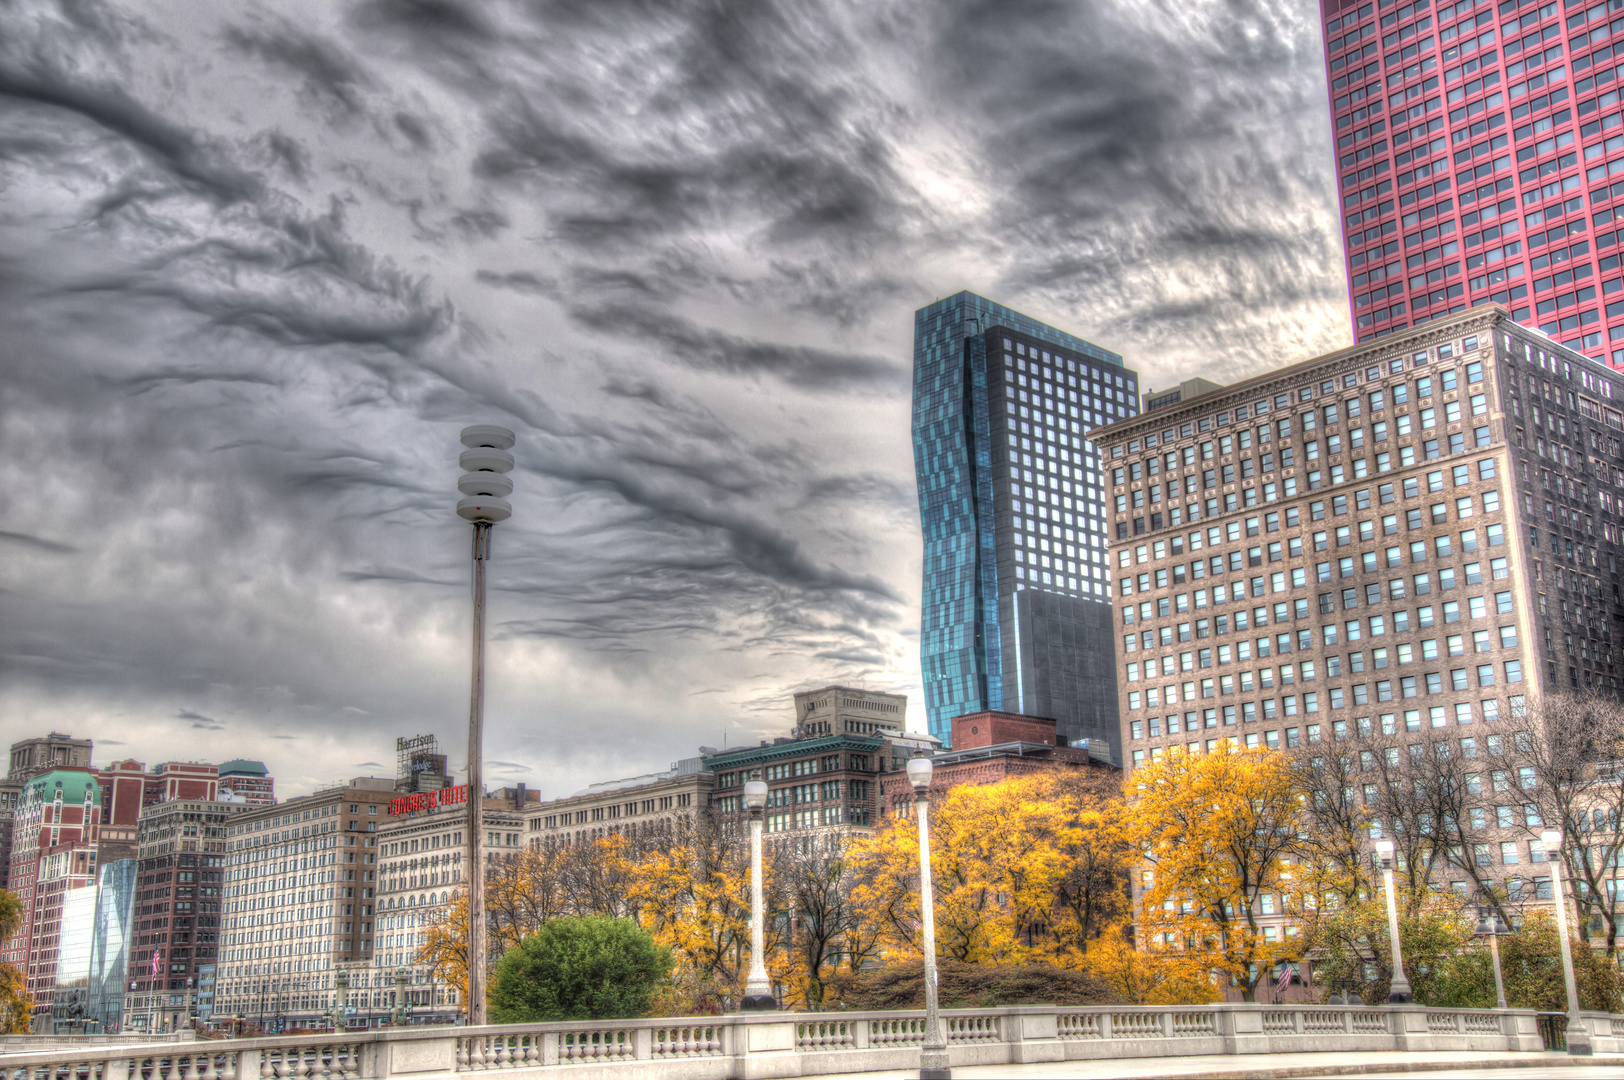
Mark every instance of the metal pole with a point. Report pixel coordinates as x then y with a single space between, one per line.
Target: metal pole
1499 983
758 990
476 789
1399 990
1578 1036
933 1051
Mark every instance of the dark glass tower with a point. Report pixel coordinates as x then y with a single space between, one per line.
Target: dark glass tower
1016 611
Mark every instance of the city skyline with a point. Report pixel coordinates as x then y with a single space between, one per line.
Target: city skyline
263 264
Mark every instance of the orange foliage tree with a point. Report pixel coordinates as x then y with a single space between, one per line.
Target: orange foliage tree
1217 831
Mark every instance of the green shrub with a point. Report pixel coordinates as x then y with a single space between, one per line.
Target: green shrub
965 986
578 968
1531 961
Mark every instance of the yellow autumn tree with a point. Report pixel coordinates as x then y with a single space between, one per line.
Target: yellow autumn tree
1029 869
523 891
1215 831
692 893
445 944
1150 974
16 1004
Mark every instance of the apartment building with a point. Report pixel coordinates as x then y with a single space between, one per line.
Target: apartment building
53 857
1403 539
637 807
249 781
181 855
421 866
841 710
300 893
824 784
29 758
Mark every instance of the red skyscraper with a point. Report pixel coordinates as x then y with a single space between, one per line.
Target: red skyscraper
1476 145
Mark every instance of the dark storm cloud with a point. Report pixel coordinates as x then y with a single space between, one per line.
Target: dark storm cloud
327 74
517 280
677 338
1135 140
199 721
38 543
32 73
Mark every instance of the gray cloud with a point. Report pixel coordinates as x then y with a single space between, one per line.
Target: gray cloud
38 543
328 75
199 721
257 266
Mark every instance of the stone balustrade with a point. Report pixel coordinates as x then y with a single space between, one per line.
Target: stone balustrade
763 1045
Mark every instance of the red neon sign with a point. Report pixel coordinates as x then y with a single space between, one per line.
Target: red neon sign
429 800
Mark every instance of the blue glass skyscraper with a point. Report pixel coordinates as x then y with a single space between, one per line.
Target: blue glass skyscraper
1016 608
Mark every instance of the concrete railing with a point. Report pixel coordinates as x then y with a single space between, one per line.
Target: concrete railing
795 1044
13 1043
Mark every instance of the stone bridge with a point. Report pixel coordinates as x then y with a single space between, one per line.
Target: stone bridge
748 1046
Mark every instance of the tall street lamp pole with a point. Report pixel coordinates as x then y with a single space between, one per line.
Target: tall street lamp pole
1578 1036
758 990
1399 991
486 487
933 1051
1491 926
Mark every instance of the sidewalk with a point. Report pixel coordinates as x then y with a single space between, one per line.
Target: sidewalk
1370 1066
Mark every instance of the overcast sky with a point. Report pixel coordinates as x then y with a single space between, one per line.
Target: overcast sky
260 262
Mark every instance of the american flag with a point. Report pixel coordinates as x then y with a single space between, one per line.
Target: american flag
1284 980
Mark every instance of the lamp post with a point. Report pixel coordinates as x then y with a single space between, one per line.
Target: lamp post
401 978
933 1050
1398 991
341 981
1491 926
758 991
1578 1037
486 487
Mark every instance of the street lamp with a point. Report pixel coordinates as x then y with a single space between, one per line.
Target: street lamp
933 1051
758 991
401 978
341 981
1398 992
486 487
1491 926
1578 1037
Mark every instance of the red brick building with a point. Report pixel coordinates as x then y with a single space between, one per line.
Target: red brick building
53 853
247 780
987 748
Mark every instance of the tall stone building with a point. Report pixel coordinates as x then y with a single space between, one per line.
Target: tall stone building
637 807
181 853
300 900
1405 541
840 710
1016 593
421 847
53 858
29 758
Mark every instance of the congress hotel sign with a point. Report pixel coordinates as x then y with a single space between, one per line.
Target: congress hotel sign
429 800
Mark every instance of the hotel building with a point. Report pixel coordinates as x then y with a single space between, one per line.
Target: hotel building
1016 590
1400 541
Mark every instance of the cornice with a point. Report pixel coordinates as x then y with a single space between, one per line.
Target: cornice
1354 357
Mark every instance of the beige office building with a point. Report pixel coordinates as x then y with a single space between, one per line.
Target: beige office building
301 885
1403 540
636 807
423 844
841 710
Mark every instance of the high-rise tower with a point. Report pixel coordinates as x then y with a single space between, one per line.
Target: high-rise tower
1476 145
1017 598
